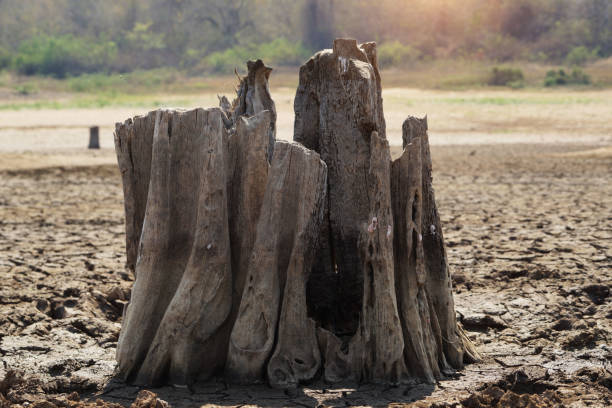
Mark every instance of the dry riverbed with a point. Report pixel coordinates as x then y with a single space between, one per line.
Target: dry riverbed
528 229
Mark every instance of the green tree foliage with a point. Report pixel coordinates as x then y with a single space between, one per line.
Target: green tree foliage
5 58
68 37
63 55
277 52
396 54
560 77
580 56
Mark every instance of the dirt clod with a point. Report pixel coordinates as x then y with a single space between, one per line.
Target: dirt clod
482 322
147 399
582 339
562 324
597 293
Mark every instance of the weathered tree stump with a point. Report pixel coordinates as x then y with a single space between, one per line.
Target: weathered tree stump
94 137
268 260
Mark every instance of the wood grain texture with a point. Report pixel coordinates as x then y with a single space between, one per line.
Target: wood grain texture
278 262
282 256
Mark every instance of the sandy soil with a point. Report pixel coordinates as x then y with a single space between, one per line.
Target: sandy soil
529 238
475 117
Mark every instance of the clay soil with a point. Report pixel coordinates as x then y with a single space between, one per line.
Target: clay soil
529 239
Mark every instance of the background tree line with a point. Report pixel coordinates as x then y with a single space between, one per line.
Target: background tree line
69 37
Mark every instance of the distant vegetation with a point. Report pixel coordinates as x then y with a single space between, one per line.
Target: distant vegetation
67 38
396 54
63 55
278 52
506 76
559 77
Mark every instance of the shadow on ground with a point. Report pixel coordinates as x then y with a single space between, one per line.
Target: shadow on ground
219 393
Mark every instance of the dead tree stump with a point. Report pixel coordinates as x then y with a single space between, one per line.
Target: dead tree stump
94 137
279 262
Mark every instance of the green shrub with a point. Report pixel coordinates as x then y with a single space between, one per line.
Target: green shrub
152 77
143 47
554 78
560 77
396 54
5 59
226 61
283 52
137 79
506 76
64 55
93 82
26 89
277 52
579 77
580 56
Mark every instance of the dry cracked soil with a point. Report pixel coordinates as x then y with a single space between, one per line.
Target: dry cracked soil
528 230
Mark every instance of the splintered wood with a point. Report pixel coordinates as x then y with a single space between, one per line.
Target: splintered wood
264 260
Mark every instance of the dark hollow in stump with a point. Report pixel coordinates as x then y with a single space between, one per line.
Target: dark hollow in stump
273 261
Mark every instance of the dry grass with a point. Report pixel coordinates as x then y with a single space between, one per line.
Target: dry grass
602 72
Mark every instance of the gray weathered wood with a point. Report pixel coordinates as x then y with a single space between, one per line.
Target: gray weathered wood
281 259
397 320
184 341
337 107
274 261
133 141
183 251
253 97
94 137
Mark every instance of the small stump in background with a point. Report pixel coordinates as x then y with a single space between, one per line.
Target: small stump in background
94 137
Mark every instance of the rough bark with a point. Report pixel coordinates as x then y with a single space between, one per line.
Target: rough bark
203 212
247 175
253 97
279 262
245 164
337 107
375 352
250 119
410 272
383 231
182 254
203 298
133 141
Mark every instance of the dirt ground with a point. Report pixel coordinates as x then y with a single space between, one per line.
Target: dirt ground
528 229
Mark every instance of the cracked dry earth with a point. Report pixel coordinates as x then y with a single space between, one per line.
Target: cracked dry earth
529 239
